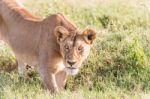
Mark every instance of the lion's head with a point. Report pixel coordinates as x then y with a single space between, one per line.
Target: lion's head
74 47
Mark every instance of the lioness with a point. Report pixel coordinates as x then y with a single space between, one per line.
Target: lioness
54 44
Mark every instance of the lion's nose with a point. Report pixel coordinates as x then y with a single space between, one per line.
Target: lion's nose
71 62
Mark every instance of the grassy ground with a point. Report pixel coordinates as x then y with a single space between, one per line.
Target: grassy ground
118 66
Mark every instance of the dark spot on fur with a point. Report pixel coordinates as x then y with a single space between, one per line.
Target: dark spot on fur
90 37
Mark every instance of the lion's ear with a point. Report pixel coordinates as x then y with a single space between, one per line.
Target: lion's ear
89 36
61 33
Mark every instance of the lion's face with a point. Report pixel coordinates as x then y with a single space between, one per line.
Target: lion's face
74 47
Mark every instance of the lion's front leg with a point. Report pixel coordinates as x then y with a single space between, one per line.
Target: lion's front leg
49 79
61 79
21 69
54 86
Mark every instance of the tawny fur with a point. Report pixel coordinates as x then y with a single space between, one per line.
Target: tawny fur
34 42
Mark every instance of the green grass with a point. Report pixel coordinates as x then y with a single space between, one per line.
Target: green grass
11 87
118 65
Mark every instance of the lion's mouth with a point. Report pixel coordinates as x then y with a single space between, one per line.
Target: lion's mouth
71 68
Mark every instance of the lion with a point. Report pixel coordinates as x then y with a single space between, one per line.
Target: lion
54 45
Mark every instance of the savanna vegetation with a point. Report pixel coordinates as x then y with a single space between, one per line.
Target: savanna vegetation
118 66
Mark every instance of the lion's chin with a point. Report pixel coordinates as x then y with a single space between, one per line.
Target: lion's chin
72 71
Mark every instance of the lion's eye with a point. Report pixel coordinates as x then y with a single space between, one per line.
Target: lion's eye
66 48
80 49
